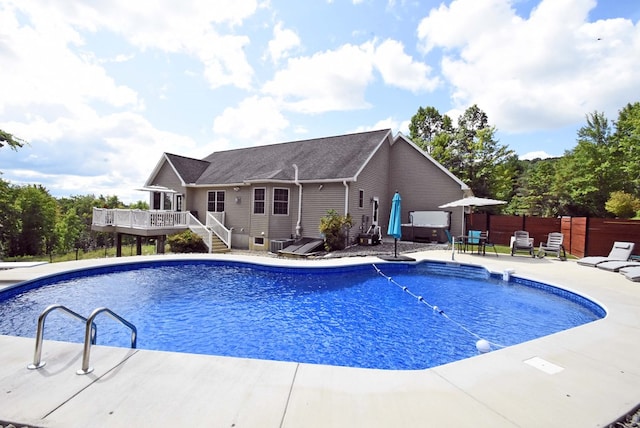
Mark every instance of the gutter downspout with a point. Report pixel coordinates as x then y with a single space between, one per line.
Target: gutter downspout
346 197
298 224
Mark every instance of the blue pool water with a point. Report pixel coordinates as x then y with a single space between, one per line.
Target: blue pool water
349 316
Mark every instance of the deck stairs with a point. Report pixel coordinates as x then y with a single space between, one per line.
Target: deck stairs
217 245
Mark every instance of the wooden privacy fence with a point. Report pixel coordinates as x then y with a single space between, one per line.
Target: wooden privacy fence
583 236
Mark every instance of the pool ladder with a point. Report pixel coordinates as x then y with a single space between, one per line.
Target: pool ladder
91 332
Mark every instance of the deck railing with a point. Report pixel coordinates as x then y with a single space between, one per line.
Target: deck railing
140 219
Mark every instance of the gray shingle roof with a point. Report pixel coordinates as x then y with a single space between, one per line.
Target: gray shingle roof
188 168
329 158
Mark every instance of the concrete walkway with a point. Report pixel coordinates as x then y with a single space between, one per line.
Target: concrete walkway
584 377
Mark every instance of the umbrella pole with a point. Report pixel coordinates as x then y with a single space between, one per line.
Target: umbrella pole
395 247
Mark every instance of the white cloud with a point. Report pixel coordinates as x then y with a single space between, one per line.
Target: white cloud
543 72
327 81
41 67
535 155
193 28
283 42
255 120
102 153
401 70
336 80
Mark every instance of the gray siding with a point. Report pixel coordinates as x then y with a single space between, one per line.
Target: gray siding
315 204
167 177
374 180
280 225
422 185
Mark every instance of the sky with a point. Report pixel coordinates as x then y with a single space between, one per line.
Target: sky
100 89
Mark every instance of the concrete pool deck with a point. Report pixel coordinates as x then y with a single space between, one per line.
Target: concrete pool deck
585 376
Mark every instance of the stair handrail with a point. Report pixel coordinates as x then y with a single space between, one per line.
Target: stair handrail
195 226
219 229
87 336
37 355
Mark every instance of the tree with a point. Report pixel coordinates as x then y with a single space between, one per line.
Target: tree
13 142
535 193
69 231
623 205
426 127
37 214
588 173
469 151
627 139
9 227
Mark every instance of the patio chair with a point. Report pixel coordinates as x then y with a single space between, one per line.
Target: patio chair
522 242
453 241
621 251
553 246
484 241
473 239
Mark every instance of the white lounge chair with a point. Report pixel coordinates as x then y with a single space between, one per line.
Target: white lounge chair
615 266
553 246
522 242
621 251
631 273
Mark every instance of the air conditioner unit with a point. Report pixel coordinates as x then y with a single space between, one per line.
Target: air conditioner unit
278 244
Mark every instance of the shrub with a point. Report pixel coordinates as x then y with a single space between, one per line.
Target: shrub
186 242
622 205
335 228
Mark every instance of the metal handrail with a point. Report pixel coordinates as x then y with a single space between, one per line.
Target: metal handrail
87 336
37 355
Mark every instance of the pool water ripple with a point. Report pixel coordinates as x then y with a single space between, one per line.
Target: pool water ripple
348 317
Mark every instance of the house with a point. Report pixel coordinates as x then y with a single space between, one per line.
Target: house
256 196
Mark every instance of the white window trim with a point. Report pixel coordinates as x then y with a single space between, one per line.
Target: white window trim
273 201
253 201
215 203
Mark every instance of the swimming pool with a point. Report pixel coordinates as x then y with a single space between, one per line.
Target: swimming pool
349 316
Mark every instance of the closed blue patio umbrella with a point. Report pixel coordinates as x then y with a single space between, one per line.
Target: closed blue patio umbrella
395 221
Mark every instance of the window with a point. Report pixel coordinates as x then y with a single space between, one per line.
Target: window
281 201
156 201
361 198
259 200
258 240
167 201
215 201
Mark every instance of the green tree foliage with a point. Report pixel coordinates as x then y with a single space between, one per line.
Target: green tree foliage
69 231
9 225
37 216
588 173
623 205
627 139
535 193
12 141
470 150
335 227
139 205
